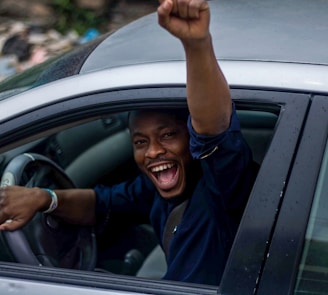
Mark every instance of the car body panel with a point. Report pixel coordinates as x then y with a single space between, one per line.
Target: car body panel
287 242
288 131
29 277
290 77
242 270
261 30
272 37
26 287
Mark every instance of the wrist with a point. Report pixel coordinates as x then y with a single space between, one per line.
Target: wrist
198 45
49 200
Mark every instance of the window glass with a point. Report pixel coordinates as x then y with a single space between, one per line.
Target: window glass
62 66
313 269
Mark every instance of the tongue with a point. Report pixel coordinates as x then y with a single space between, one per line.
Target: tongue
166 175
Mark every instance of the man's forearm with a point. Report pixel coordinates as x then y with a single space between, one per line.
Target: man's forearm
208 93
207 90
76 206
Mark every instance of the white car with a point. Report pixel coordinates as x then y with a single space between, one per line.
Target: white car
63 124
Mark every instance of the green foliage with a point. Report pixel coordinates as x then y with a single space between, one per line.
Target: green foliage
71 17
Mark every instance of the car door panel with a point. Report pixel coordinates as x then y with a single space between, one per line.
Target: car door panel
250 245
284 254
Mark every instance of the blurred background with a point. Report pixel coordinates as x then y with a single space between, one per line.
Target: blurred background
32 31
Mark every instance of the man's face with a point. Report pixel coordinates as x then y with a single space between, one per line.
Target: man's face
161 150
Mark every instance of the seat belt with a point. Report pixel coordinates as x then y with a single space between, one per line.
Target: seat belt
171 225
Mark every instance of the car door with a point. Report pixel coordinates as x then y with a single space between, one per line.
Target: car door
252 242
296 260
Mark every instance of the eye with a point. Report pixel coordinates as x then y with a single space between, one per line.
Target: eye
139 142
169 134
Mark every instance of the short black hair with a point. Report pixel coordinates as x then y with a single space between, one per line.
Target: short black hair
181 114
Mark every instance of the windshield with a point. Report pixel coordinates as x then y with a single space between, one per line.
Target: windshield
62 66
22 81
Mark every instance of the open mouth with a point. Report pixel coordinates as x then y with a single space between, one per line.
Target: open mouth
165 175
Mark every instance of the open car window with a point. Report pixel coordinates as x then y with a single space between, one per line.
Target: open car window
100 152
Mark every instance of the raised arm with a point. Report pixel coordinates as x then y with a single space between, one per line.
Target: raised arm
208 93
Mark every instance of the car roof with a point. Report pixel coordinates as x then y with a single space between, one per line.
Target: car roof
261 44
293 31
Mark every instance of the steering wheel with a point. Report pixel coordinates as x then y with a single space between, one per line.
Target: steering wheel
47 240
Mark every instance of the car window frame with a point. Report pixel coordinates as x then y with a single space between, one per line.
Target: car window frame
281 265
89 106
243 267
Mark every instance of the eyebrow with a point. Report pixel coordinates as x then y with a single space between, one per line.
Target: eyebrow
138 133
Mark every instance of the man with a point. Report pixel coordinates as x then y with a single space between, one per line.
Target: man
212 172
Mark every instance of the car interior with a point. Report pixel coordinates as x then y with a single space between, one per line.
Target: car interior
100 152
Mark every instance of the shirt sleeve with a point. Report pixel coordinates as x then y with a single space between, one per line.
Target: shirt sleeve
227 165
201 146
131 196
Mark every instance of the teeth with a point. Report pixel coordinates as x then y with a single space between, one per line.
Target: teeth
162 167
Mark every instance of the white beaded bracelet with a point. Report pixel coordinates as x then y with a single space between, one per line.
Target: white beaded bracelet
54 201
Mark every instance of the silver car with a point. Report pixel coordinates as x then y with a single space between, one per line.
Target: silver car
63 124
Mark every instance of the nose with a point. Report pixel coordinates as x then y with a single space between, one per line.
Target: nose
155 149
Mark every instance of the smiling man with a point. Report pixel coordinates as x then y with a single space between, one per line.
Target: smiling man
197 158
161 149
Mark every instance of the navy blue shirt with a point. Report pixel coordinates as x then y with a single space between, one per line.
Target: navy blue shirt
201 244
